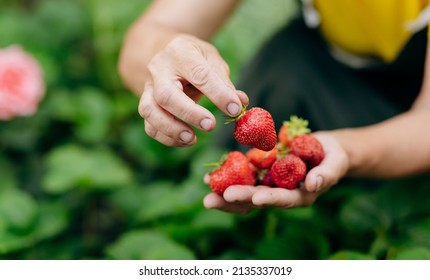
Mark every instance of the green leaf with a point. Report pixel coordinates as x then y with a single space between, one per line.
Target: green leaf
57 22
148 245
414 233
380 245
17 209
61 104
158 200
361 214
89 109
127 201
162 199
212 219
52 219
124 105
294 243
305 213
7 176
416 253
14 27
23 133
350 255
72 166
392 203
48 221
94 115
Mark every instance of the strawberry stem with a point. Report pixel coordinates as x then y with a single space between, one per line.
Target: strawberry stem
235 119
215 165
212 164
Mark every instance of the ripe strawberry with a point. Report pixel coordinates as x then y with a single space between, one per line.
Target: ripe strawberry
294 127
308 148
262 159
267 179
235 170
288 171
283 136
255 127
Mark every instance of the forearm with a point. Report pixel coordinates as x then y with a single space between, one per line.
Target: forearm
142 42
396 147
159 25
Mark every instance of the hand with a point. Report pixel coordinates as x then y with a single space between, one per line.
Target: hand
242 199
179 75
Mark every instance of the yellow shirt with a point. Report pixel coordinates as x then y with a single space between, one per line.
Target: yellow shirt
375 28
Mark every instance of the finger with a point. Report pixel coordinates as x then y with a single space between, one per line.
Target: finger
243 97
163 139
323 176
163 122
330 170
241 194
212 82
214 201
283 198
168 91
224 71
170 96
206 178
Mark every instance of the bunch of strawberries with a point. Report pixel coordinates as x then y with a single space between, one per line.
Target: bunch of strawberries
281 160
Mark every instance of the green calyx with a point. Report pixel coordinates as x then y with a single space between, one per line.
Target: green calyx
282 150
212 166
297 126
235 119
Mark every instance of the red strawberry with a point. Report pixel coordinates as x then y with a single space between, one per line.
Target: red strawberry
235 170
255 127
288 171
294 127
267 179
283 136
308 148
262 159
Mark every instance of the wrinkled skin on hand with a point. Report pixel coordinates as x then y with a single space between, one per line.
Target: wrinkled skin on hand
179 75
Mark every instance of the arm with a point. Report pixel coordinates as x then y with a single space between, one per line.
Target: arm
165 56
161 23
397 147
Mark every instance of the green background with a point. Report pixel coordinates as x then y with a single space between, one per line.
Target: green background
81 180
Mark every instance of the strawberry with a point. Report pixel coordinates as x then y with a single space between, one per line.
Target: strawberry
283 136
294 127
262 159
308 148
267 179
255 127
288 171
235 170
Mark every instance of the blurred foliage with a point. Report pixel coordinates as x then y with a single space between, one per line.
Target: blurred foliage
82 180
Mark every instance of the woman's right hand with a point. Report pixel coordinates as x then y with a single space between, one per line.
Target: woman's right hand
178 75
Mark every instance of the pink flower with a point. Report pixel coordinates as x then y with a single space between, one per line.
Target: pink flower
21 83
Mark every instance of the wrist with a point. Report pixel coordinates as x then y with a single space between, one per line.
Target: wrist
357 150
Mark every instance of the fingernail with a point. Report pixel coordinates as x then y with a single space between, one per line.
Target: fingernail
206 124
319 183
245 97
186 136
233 109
